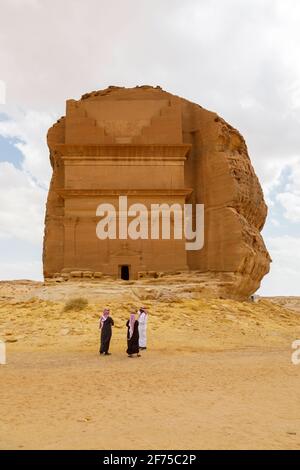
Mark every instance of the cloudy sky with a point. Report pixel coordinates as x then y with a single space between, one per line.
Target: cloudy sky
239 58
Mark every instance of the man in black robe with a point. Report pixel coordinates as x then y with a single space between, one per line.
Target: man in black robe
132 336
106 322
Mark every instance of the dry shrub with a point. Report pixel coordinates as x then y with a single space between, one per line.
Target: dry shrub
78 303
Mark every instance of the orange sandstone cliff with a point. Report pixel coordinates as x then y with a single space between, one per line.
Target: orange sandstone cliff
153 147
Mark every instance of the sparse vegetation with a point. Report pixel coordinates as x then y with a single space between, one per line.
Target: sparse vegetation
78 303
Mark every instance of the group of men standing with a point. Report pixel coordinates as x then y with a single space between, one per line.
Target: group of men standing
136 332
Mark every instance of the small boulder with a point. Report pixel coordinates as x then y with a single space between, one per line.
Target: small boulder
75 273
87 274
98 274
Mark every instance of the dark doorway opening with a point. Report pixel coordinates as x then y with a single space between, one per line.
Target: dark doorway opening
125 272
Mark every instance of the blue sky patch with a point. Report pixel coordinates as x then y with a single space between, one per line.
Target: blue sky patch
276 211
9 152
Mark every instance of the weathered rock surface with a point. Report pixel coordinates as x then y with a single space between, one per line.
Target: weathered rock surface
145 142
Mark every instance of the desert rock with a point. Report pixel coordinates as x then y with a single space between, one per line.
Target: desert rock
152 146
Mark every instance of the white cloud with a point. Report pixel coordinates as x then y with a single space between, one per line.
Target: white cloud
240 59
22 204
290 197
23 191
24 270
2 92
283 278
291 204
30 127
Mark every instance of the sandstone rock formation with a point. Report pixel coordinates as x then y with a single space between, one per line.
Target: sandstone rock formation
153 147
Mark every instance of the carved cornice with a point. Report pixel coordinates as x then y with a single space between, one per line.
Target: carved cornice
68 193
122 152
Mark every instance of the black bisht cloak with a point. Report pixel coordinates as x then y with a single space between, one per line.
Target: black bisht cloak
106 333
133 342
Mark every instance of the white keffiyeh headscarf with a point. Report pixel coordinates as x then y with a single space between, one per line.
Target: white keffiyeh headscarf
131 324
104 317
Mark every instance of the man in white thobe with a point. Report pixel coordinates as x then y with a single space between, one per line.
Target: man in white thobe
143 318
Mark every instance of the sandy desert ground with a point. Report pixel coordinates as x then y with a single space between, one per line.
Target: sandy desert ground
217 374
